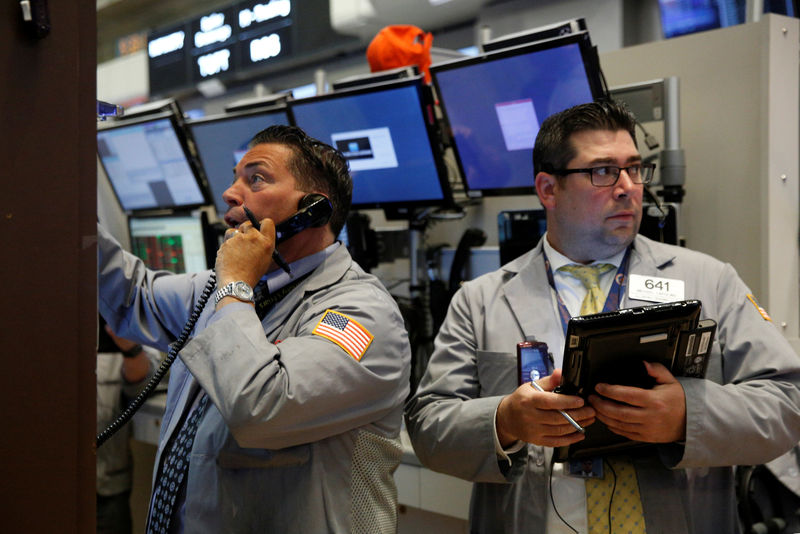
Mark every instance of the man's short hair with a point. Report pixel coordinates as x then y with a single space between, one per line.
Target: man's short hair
553 148
316 166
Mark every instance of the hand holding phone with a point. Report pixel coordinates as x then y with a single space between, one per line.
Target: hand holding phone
534 362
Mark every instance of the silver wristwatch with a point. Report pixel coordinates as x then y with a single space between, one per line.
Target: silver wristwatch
238 290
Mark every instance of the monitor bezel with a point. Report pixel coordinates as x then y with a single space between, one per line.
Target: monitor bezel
225 117
593 75
178 127
426 101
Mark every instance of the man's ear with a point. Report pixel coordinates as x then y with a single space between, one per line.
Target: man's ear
545 189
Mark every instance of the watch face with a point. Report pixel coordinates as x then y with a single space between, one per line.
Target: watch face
242 291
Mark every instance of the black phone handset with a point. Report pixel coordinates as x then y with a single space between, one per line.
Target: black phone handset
314 211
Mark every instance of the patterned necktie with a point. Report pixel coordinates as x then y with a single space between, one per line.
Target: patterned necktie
589 275
173 471
601 494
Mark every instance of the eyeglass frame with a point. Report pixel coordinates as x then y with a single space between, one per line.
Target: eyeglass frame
590 172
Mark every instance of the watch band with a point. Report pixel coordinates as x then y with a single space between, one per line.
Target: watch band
239 290
132 352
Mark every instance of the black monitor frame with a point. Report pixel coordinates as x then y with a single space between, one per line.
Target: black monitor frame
172 114
594 78
541 33
245 112
398 209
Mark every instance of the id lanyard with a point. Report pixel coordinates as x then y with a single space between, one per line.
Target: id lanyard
614 295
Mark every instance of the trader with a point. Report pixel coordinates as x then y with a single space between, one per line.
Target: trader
470 418
288 408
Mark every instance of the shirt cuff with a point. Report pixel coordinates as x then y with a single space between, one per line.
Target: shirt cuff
503 454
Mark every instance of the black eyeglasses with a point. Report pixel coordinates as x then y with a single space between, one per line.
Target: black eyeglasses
606 176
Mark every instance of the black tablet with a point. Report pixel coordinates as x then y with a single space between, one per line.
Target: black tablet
611 347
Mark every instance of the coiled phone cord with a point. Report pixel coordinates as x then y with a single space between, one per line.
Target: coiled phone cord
174 349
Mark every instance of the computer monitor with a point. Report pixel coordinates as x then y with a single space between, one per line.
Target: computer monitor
682 17
173 243
493 105
386 132
221 142
541 33
149 165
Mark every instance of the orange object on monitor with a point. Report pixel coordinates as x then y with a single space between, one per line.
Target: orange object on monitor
401 45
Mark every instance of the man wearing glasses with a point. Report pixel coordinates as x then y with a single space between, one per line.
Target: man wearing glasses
470 419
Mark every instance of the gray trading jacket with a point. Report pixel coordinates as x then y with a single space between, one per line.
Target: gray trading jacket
301 437
746 412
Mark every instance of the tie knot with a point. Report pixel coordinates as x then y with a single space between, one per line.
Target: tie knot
589 275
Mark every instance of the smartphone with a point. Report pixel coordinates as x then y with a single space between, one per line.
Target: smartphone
533 361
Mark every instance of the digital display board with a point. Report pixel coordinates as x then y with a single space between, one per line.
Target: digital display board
245 36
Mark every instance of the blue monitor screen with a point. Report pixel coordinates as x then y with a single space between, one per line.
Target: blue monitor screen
682 17
222 141
147 165
494 105
383 133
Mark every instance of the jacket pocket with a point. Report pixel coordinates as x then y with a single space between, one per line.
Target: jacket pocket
238 458
497 372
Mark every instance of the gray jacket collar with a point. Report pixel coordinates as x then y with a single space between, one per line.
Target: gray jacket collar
526 282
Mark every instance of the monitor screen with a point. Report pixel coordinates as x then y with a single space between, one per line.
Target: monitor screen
171 243
682 17
148 165
221 142
494 103
385 132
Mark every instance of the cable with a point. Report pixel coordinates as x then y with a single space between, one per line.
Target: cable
613 490
176 347
553 501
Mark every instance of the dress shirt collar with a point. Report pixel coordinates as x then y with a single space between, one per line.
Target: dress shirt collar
279 278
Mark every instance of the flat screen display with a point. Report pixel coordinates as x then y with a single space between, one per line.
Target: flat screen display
222 141
494 104
171 243
682 17
385 132
148 166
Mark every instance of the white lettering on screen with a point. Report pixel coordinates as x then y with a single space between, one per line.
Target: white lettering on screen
214 63
166 44
265 47
212 30
263 12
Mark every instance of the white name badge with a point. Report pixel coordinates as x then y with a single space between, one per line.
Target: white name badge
654 289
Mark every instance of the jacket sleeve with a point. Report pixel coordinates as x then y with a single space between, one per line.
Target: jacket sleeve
451 417
747 410
150 307
304 387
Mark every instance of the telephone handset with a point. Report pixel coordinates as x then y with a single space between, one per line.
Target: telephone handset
314 211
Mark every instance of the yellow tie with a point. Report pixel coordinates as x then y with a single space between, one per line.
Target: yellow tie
589 275
601 494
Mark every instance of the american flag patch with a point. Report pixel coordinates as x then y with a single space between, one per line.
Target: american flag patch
345 332
761 310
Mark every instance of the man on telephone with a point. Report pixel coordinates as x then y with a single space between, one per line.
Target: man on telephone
287 399
589 177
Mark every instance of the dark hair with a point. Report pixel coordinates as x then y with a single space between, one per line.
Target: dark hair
316 166
553 148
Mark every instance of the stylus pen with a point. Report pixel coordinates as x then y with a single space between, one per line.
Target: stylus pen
276 256
572 421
